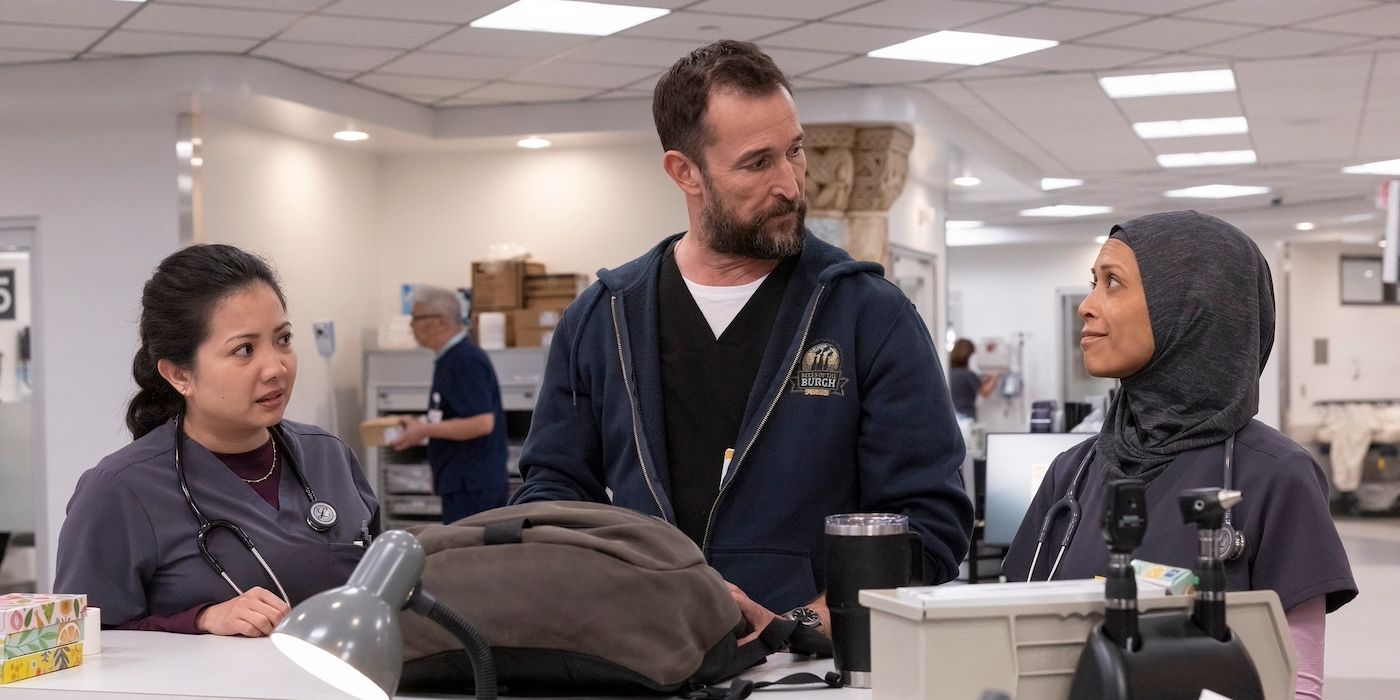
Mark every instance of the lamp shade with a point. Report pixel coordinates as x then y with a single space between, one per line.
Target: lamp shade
349 636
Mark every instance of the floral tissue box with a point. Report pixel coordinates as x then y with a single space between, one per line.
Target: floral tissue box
40 634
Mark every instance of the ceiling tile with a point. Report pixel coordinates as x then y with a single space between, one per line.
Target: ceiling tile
1326 122
882 71
807 84
133 42
504 42
704 28
338 74
1280 43
365 32
406 85
282 5
1052 23
1170 34
801 9
68 13
1146 7
1378 20
579 74
32 56
511 92
983 72
1205 106
625 50
1179 61
1050 102
1075 57
453 11
1273 13
210 21
17 36
353 58
1201 144
667 4
924 14
1383 46
844 37
795 62
453 65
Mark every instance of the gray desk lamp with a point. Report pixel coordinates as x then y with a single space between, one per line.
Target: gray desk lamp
349 637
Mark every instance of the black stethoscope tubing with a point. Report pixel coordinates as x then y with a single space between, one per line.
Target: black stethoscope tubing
321 516
1070 503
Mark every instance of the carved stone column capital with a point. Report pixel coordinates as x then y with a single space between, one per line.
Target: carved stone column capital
830 168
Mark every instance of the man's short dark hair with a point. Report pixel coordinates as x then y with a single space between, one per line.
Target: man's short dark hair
681 96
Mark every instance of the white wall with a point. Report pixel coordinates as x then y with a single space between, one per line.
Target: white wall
18 263
313 210
1004 290
576 210
100 177
1363 341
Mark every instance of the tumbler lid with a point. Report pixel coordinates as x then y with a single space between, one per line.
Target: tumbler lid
867 524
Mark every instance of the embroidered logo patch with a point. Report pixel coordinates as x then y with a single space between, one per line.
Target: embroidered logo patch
819 373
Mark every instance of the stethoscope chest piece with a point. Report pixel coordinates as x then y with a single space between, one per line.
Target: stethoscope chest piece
321 517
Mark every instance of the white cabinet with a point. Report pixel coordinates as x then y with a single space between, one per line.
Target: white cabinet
398 382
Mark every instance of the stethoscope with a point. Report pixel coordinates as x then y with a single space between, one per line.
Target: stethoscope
321 516
1229 545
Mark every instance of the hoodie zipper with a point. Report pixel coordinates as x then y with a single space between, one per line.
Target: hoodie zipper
636 437
734 474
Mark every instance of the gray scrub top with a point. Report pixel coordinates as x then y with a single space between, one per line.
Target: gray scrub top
1292 544
129 539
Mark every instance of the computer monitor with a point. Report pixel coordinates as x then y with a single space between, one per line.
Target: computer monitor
1016 463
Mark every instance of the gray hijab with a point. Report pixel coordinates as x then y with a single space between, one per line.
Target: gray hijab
1210 300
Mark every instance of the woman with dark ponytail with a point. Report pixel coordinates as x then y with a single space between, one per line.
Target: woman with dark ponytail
214 461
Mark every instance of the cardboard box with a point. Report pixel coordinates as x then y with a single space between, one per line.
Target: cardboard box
557 285
555 304
39 663
27 611
500 285
510 328
381 431
527 327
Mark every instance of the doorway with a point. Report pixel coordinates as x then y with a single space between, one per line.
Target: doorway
17 495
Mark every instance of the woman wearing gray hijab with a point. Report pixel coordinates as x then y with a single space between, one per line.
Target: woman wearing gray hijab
1182 313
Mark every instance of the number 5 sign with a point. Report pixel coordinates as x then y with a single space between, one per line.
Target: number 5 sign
7 295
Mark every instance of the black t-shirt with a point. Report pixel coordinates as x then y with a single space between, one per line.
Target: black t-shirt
705 384
964 384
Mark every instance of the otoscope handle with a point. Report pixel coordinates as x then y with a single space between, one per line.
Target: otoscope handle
1120 620
1208 611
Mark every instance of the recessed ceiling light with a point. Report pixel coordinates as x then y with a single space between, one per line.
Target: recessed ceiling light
962 48
1357 218
1066 210
1193 160
1059 183
534 142
1178 128
961 224
196 161
1380 167
1186 83
967 181
568 17
1305 225
1216 191
1101 240
350 135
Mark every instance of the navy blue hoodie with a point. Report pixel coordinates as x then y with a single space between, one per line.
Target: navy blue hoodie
850 413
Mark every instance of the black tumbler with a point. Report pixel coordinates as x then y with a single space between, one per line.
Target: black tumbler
863 551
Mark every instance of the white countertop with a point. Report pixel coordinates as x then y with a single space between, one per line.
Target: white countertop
141 665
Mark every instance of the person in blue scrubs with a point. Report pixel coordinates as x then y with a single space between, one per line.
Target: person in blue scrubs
215 373
466 426
1182 312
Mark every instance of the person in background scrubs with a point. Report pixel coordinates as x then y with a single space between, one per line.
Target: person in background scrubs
216 349
1182 312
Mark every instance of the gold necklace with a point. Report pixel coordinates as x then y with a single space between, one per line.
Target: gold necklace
269 472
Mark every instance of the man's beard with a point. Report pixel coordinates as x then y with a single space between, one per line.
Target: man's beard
755 239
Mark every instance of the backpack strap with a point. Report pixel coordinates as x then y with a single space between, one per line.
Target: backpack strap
506 531
740 688
779 634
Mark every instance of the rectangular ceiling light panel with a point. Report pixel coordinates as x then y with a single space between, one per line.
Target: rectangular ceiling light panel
1196 160
1154 84
568 17
1180 128
962 48
1216 191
